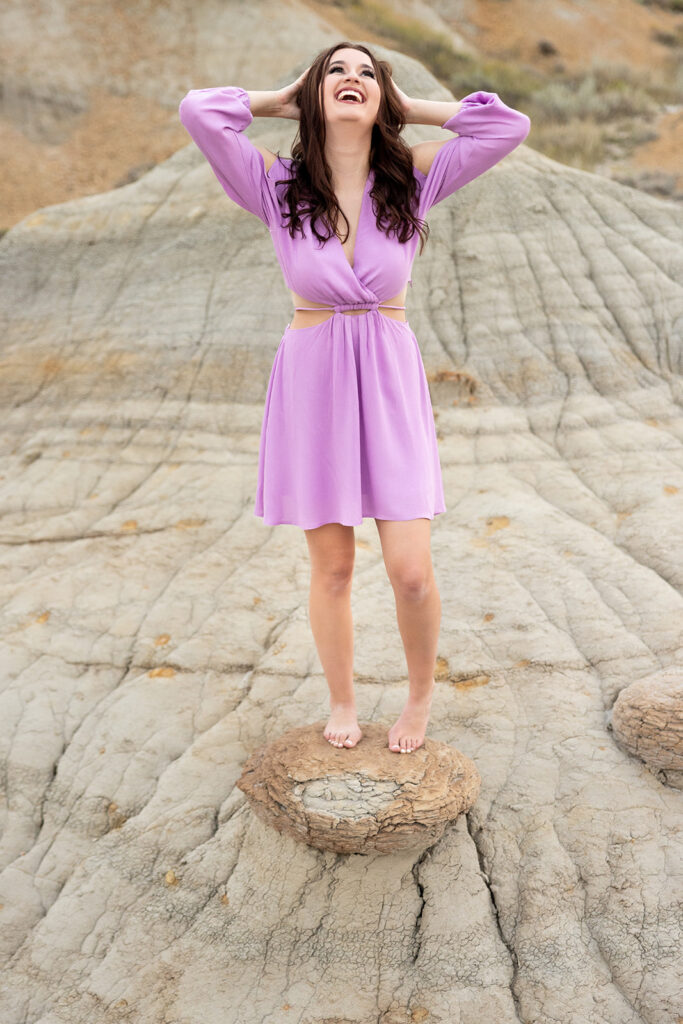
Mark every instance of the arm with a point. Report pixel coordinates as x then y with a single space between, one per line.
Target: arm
216 119
487 130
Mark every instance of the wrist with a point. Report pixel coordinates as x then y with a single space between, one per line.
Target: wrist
410 112
265 103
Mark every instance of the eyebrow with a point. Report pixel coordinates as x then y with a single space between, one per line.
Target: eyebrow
345 65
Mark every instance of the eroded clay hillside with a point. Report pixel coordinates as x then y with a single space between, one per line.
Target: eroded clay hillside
155 633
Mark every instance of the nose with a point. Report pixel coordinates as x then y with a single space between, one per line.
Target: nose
352 81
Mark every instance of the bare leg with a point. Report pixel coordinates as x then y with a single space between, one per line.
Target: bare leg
407 556
332 551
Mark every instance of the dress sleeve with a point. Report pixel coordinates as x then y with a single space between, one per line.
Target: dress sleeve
216 119
487 131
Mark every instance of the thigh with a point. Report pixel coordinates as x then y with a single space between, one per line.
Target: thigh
332 547
406 548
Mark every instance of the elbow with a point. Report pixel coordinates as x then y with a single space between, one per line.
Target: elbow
186 107
523 127
518 128
190 107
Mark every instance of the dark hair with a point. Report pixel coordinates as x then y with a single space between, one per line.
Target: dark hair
395 190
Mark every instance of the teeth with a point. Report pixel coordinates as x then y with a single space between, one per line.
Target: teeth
350 92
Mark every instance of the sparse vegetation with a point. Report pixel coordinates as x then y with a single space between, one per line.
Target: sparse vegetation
593 96
668 5
578 142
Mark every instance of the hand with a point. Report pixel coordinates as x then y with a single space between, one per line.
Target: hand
288 98
404 101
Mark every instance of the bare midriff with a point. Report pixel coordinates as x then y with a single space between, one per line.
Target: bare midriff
309 317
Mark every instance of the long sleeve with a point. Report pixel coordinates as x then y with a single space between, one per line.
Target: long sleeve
216 119
487 131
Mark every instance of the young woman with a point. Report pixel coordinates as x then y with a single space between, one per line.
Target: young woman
348 430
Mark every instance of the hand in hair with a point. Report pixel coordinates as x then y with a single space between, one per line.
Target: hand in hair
404 101
288 98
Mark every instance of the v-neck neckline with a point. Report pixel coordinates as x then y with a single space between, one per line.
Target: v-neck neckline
358 226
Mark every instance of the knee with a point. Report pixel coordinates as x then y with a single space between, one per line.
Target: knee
412 582
335 578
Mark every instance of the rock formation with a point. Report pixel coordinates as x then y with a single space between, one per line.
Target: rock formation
155 634
360 800
647 719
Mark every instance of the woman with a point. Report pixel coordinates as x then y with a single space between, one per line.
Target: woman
348 430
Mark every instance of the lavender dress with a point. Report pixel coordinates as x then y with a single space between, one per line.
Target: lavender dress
348 429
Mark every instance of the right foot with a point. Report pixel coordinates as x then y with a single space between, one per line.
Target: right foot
342 730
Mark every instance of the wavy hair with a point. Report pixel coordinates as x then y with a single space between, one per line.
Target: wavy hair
395 191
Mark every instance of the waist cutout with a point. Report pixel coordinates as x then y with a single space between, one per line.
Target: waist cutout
342 307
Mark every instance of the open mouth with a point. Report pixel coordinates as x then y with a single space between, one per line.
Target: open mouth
349 95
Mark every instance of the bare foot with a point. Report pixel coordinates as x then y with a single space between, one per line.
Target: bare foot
342 730
409 731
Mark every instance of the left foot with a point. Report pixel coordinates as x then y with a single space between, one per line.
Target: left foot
409 731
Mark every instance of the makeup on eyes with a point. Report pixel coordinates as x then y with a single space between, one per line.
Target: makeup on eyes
337 67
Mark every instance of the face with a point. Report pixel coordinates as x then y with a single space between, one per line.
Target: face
350 69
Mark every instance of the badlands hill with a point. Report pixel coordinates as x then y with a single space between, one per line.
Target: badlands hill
155 632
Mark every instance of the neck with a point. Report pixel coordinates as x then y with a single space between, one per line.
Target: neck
347 155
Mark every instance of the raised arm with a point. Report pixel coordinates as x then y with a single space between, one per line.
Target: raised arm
216 119
487 130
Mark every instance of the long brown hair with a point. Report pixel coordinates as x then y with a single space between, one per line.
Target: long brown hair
394 192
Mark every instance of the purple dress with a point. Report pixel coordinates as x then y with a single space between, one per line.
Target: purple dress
348 429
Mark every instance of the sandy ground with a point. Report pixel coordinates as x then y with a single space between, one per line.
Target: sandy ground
613 31
666 152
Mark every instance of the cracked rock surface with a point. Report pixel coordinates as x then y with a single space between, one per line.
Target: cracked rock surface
360 800
155 633
647 720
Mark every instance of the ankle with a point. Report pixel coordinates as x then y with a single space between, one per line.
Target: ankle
420 697
343 705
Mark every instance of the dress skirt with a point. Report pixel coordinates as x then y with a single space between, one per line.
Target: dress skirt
348 430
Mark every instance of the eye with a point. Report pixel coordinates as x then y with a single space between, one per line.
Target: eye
338 67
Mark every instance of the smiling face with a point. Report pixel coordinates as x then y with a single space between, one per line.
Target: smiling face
349 89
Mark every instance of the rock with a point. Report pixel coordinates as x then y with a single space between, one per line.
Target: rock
647 720
364 799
